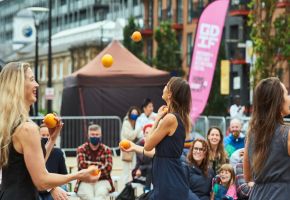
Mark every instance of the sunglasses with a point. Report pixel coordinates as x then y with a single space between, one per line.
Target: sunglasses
196 149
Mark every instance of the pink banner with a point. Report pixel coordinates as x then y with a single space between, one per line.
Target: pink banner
204 56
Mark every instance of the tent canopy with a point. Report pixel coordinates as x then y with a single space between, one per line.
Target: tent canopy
127 69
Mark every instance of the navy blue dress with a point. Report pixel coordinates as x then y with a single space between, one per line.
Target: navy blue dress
169 180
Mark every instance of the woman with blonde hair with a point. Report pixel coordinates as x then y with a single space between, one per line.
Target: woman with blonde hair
217 153
21 157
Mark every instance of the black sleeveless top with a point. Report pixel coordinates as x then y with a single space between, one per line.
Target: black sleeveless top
16 180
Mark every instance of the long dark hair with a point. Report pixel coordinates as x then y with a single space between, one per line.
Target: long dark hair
267 105
205 162
222 155
181 99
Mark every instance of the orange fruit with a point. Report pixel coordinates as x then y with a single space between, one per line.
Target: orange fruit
165 109
107 60
125 144
50 120
136 36
95 172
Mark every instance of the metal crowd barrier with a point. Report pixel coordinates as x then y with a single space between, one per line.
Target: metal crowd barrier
75 129
74 132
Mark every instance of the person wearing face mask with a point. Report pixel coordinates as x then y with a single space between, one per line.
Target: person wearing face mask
235 140
129 132
94 152
54 164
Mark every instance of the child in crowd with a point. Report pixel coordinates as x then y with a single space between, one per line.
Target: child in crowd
224 184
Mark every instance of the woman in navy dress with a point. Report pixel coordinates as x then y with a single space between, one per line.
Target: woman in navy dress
165 142
267 151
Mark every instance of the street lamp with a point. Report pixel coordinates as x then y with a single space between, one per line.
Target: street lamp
36 25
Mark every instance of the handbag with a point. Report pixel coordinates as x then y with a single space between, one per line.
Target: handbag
127 193
127 156
145 196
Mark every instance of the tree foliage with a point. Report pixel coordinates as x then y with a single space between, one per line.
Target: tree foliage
270 35
168 54
134 47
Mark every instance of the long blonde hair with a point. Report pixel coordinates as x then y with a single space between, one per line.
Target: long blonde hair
12 104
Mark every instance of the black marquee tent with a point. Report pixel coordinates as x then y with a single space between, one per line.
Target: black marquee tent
95 90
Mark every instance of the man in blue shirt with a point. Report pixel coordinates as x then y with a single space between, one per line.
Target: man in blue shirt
235 140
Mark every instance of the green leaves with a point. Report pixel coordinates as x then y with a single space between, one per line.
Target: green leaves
167 55
270 35
135 47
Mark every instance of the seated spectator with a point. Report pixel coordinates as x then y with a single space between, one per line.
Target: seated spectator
224 184
235 140
244 189
144 164
54 164
129 132
94 152
236 157
197 169
147 117
217 153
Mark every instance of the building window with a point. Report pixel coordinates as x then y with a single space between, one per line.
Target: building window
150 14
197 8
54 71
69 69
169 10
43 72
60 76
189 11
179 12
159 11
189 48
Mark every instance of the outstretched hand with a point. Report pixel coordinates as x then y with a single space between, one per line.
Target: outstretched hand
86 175
130 149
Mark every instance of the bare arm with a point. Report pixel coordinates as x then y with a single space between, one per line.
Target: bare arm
246 164
139 149
29 139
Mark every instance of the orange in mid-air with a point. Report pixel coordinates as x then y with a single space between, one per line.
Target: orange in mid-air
107 60
136 36
95 172
50 120
125 144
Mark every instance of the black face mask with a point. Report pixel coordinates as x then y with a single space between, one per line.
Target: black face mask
44 140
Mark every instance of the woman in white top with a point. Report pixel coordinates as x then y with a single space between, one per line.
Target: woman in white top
129 132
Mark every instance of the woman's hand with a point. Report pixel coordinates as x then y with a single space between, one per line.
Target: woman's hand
59 194
251 184
138 173
162 111
85 175
132 147
54 132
